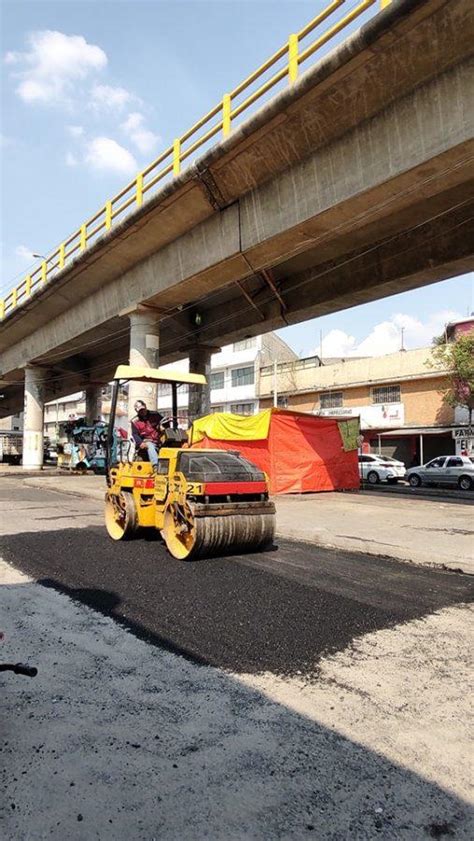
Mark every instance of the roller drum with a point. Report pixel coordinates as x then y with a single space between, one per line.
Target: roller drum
220 530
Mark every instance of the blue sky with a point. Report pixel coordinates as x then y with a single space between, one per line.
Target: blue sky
94 90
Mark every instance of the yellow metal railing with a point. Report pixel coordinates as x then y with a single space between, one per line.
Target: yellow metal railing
170 161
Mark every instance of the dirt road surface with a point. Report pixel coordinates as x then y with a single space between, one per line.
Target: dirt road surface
299 693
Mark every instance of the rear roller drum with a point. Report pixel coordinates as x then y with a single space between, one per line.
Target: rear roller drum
120 516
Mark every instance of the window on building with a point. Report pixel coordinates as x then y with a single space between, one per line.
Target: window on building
386 394
331 399
245 344
242 408
217 379
282 402
242 376
215 409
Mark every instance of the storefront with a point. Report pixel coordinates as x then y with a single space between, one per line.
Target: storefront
413 446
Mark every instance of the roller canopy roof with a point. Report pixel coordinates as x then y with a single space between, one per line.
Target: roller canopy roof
157 375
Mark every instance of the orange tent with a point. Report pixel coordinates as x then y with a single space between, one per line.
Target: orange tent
299 452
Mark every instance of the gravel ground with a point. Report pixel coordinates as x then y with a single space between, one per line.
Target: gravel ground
118 738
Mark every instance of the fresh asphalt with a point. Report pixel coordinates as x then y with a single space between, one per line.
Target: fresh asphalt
278 611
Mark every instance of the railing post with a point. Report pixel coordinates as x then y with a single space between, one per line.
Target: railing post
139 189
2 309
44 271
28 286
384 3
293 58
226 109
83 237
176 156
62 255
108 215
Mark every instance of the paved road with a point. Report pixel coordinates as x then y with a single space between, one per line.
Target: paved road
274 611
338 709
433 530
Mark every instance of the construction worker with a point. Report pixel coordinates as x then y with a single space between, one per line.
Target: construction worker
146 432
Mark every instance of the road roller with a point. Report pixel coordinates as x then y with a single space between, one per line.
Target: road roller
203 502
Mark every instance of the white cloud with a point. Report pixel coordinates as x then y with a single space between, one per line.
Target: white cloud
71 159
106 97
75 131
386 336
106 155
54 61
141 137
25 253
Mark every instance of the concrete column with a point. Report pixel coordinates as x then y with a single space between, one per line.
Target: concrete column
144 352
199 403
93 403
33 421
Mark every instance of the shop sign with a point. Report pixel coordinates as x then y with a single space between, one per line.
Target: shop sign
463 432
383 416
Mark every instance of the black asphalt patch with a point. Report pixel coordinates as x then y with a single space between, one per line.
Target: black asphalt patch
277 611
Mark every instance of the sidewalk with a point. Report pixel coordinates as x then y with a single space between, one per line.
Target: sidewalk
429 531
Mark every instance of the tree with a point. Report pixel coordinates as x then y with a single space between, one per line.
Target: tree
457 358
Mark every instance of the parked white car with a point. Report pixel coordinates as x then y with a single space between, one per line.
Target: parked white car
375 469
457 471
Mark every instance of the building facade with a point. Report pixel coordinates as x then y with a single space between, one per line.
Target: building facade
234 378
398 397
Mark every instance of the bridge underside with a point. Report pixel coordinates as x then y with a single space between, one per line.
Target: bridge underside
351 272
355 184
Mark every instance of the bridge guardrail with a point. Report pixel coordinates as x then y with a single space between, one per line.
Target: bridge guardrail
221 117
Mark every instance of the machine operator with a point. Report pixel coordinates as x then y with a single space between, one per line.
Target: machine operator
146 431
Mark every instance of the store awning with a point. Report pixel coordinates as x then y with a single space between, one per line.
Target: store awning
422 430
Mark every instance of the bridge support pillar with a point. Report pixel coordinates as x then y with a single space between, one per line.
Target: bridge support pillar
199 402
144 353
93 403
33 421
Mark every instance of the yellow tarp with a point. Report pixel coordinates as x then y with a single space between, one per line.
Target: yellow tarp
223 426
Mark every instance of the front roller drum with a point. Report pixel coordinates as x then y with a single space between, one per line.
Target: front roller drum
190 534
121 519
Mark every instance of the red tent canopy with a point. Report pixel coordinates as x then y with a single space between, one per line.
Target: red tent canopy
300 452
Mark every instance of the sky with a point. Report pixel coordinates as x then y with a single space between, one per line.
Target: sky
93 90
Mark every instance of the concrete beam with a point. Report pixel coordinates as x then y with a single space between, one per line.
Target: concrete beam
199 403
33 419
144 353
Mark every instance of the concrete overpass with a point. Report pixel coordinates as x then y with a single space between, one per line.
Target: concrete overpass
354 183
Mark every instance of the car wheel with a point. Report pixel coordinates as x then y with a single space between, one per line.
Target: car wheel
465 483
414 480
373 478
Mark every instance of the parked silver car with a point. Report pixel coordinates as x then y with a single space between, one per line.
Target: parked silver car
444 470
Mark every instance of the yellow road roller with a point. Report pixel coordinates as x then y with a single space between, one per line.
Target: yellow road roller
203 502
